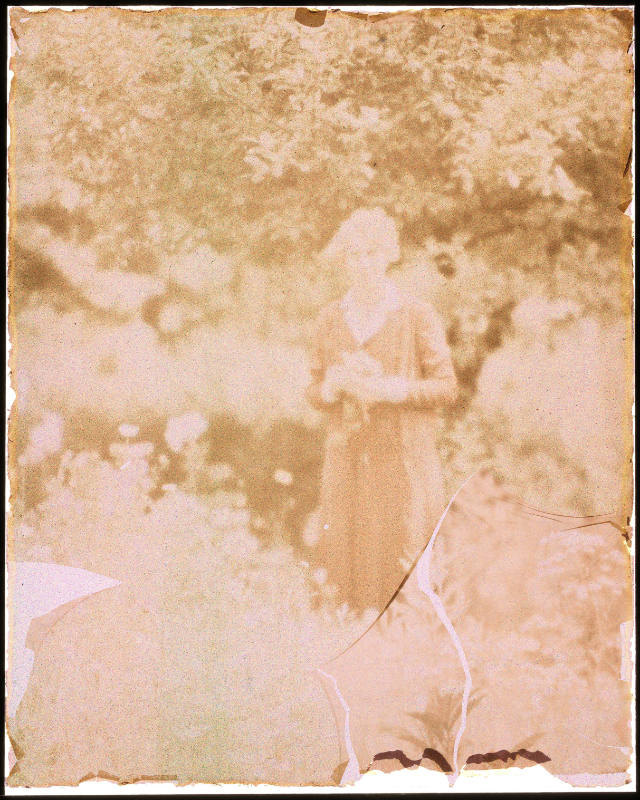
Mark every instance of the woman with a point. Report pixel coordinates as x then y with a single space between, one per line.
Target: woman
380 369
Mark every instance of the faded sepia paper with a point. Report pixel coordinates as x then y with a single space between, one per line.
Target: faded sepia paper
208 535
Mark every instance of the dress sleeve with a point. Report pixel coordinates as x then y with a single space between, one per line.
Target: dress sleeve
437 383
318 366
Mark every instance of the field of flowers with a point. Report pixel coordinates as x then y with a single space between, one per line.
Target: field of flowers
199 664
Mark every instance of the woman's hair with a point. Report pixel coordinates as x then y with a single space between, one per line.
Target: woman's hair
372 225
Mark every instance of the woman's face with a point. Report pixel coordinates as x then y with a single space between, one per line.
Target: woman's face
366 263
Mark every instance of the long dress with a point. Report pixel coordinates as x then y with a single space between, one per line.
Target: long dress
508 644
381 487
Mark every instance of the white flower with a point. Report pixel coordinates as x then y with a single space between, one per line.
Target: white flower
219 473
320 575
44 439
283 477
128 431
512 178
184 429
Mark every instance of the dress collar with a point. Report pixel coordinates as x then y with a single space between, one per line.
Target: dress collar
365 325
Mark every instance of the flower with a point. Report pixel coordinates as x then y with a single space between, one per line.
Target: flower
184 429
283 477
219 473
320 575
44 439
128 431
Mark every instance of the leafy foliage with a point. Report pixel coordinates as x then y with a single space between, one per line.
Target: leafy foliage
174 179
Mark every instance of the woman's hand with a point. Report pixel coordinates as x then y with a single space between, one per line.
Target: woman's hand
378 389
366 388
385 389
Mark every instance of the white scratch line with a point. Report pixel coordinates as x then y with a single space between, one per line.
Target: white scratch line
594 741
425 584
352 770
